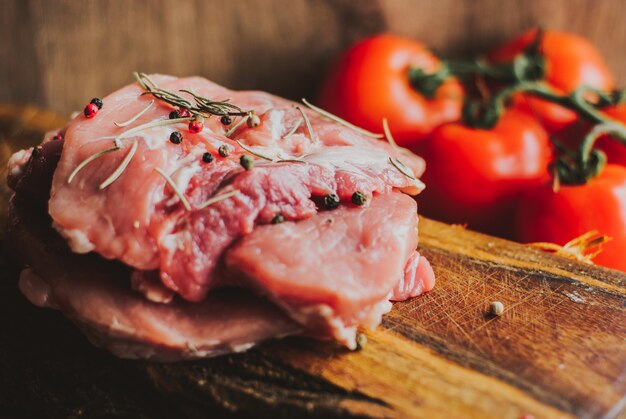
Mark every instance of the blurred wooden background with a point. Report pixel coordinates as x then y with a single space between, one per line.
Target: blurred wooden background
57 54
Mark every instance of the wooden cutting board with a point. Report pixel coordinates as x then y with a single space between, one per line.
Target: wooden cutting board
559 350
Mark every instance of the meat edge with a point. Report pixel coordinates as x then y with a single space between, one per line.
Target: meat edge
40 254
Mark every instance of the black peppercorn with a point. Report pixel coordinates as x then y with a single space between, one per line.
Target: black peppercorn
331 201
174 115
36 152
176 137
207 157
246 162
359 198
224 150
226 120
278 219
97 101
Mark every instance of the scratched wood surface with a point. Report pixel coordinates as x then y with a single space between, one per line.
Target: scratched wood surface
48 47
559 350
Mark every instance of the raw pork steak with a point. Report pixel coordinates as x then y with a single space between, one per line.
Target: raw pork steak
186 225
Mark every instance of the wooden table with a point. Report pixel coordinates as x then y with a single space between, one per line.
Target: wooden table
559 350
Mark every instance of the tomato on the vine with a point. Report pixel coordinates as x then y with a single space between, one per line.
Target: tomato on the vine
569 61
558 217
615 151
371 82
475 176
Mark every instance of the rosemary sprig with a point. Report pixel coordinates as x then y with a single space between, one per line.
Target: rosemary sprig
402 168
88 160
153 124
150 87
234 128
249 150
203 107
309 128
291 161
120 169
294 129
388 135
214 107
175 188
340 120
118 145
218 198
134 118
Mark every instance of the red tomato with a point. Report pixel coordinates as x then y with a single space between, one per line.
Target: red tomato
558 217
370 82
475 176
570 61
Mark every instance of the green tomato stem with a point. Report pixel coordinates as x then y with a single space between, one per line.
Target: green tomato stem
618 131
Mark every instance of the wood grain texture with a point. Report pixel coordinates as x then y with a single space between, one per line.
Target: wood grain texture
559 350
49 48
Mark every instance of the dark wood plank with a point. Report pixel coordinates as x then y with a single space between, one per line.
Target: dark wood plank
559 350
49 48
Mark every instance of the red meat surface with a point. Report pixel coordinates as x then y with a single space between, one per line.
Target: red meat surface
323 272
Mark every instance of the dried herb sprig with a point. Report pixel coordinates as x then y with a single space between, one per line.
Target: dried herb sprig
118 145
234 128
153 124
215 107
402 168
340 120
309 127
150 87
134 118
388 135
218 198
203 107
88 160
175 188
294 129
120 169
293 160
249 150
